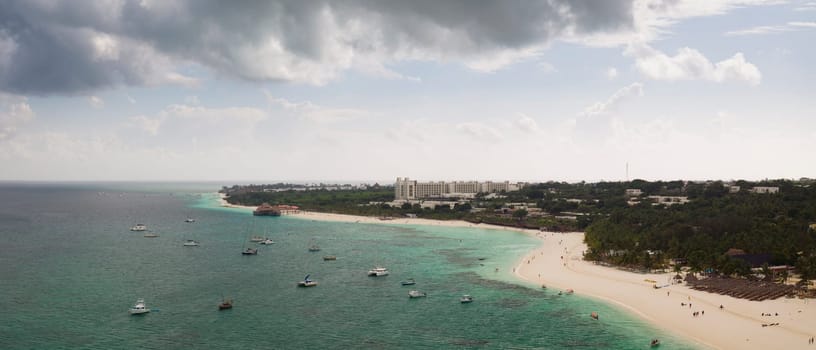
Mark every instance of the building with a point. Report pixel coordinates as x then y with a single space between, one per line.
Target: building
668 200
405 188
633 192
761 189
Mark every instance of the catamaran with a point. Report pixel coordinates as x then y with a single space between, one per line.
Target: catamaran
307 282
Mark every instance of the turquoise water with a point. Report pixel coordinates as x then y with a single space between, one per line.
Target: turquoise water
70 268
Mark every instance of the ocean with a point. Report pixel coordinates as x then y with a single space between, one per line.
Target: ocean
70 268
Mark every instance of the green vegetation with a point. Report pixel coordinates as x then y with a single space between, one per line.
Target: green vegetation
623 230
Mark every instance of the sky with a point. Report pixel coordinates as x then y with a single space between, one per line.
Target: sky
155 90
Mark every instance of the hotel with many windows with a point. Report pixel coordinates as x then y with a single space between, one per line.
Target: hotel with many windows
407 189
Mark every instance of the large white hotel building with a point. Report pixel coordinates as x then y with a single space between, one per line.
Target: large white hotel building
406 189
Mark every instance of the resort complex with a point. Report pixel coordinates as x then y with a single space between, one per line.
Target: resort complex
407 189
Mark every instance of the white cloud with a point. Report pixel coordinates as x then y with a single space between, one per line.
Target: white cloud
214 115
479 131
808 6
690 64
634 89
96 102
787 27
316 113
546 67
492 62
611 73
527 124
14 112
150 125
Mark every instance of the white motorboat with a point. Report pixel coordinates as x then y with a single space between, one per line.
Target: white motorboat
378 271
267 242
151 235
191 243
256 239
416 294
138 308
466 299
250 251
189 220
139 227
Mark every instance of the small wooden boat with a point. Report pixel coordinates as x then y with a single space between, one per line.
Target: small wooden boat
654 343
329 257
150 235
250 251
408 282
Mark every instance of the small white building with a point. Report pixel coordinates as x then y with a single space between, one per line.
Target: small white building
633 192
668 200
764 190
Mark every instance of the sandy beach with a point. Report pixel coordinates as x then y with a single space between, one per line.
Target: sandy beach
557 263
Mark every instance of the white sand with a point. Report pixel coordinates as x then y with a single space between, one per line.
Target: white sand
737 326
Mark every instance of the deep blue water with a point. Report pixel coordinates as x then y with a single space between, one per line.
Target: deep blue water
70 268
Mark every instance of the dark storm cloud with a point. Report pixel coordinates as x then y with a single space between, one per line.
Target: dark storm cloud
77 46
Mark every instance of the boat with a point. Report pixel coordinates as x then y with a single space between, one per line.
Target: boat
267 242
307 282
654 343
570 291
594 315
225 304
466 299
150 235
139 308
408 282
257 239
139 227
250 251
191 243
313 247
416 294
188 220
378 271
329 257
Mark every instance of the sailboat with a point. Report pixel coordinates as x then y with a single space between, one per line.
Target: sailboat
314 247
249 251
225 304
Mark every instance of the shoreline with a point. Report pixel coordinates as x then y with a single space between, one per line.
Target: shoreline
738 325
319 216
558 262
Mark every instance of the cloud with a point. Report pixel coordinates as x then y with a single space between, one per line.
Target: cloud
527 124
611 73
690 64
479 131
316 113
634 89
760 30
808 6
96 102
84 45
14 112
546 67
150 125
